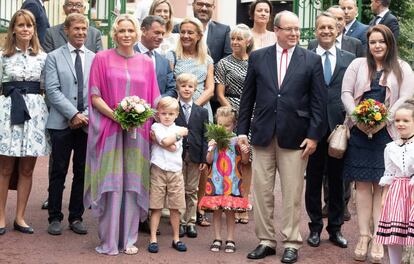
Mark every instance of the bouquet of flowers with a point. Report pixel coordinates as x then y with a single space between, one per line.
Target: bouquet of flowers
219 134
133 112
371 113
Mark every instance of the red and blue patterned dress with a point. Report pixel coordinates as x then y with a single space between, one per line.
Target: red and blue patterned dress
223 187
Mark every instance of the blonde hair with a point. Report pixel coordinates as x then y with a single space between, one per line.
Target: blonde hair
155 4
228 112
187 78
10 46
119 19
168 103
201 46
245 32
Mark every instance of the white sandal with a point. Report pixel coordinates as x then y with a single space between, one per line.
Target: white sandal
131 250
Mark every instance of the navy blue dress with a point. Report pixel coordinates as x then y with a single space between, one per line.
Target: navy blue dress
364 159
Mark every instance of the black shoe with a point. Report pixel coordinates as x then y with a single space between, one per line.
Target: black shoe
144 227
45 204
22 229
261 251
182 230
347 214
191 231
314 239
338 240
179 246
78 227
290 255
325 211
55 228
2 231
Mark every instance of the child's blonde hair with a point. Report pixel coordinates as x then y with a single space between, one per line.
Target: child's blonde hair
186 78
168 103
227 111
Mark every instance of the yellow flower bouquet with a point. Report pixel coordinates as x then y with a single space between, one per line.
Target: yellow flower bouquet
370 112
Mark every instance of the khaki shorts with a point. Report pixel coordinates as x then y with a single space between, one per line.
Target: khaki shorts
166 185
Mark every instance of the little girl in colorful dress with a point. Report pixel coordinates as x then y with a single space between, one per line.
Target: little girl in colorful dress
394 229
223 185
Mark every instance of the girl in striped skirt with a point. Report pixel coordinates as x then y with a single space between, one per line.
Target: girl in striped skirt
396 225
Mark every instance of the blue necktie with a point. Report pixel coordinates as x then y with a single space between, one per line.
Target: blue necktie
327 69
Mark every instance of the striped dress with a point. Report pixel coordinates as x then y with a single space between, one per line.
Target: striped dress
396 225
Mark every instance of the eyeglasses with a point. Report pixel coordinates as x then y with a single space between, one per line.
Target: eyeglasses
72 5
294 30
201 5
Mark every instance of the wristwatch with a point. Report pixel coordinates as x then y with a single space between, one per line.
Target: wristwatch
178 137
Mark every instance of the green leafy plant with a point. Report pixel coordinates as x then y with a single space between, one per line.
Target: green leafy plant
219 134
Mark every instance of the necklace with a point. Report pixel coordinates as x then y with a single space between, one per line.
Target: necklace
405 140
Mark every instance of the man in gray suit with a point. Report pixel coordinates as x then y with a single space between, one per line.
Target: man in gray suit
56 36
66 80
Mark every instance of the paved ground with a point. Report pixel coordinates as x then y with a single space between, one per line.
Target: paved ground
71 248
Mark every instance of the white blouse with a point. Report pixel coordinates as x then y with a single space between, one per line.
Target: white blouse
399 162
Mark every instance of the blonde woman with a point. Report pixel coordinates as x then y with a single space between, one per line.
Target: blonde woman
117 165
163 9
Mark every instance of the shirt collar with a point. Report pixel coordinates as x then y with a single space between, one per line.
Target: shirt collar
189 103
29 49
72 48
143 49
348 26
320 51
382 14
279 49
41 2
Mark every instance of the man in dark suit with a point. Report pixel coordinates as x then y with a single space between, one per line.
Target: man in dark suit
353 27
335 63
285 84
350 44
383 16
153 30
42 22
56 37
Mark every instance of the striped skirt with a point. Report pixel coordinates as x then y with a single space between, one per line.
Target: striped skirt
396 225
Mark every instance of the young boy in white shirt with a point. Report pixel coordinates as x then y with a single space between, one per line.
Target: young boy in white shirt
167 181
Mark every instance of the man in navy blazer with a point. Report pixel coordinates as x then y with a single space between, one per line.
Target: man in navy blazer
153 30
285 88
335 62
353 27
56 36
383 16
38 10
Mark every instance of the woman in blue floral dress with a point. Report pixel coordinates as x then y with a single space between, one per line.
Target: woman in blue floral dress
23 113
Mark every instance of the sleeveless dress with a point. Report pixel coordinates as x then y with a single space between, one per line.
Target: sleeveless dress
223 187
364 159
395 226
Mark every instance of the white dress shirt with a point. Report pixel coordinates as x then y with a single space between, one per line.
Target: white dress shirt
332 56
282 66
81 54
380 16
144 50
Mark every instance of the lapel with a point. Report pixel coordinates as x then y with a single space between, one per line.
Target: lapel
88 61
158 62
338 64
210 33
352 28
294 64
62 32
384 17
271 62
136 48
68 58
181 115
